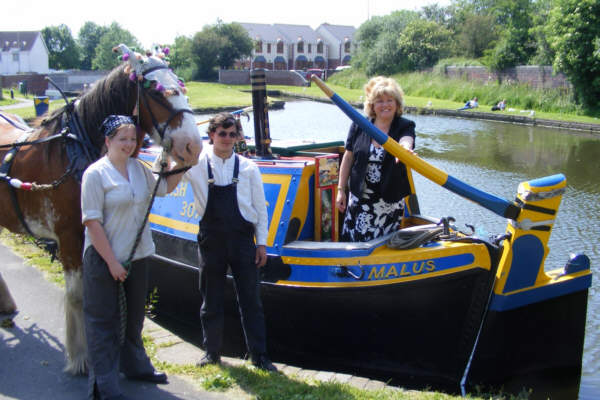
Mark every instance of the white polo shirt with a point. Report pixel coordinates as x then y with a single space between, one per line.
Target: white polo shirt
119 205
250 192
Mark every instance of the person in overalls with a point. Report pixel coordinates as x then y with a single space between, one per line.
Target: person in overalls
230 200
114 196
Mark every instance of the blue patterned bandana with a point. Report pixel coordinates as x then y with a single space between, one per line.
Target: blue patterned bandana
112 122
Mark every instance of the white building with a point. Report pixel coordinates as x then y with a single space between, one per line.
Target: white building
340 43
23 52
298 47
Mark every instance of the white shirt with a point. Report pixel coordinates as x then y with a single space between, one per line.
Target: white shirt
250 192
119 205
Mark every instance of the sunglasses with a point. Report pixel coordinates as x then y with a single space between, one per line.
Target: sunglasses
223 134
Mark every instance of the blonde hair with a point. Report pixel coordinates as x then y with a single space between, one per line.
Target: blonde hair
379 86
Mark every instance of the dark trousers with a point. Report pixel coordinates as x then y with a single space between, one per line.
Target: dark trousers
237 250
101 314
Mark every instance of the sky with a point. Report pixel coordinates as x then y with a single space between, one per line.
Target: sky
152 21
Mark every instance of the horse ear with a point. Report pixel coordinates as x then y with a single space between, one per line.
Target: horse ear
129 56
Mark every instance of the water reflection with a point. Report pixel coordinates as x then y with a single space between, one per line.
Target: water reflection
494 157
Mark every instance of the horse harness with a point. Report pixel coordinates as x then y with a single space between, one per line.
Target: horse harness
77 143
81 153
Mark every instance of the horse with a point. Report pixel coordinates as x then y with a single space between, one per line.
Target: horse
51 158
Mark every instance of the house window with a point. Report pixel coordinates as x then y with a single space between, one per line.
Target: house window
280 47
347 47
258 48
320 47
15 56
310 48
300 47
268 47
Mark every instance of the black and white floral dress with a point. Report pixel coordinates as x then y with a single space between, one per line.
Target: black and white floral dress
369 216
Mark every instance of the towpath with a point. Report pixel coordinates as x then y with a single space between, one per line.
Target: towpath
32 351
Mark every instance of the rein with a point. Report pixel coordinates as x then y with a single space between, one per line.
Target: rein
127 264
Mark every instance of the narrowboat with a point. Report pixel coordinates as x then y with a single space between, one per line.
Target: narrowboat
427 306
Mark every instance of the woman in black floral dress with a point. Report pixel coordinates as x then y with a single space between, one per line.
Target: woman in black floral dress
376 180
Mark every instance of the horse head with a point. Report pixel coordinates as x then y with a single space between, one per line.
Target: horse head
161 105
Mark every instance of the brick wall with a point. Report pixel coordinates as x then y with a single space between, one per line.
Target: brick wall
36 83
535 75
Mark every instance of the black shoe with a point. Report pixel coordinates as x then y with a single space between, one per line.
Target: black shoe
263 362
153 377
209 358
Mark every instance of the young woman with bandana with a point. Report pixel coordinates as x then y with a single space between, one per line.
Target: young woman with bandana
115 191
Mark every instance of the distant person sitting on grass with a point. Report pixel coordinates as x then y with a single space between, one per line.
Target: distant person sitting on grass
470 104
500 106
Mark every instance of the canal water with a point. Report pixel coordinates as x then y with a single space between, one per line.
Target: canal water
494 157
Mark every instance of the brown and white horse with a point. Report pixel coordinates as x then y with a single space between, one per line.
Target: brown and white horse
142 87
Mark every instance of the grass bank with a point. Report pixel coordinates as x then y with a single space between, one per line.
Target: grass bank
241 382
442 92
421 91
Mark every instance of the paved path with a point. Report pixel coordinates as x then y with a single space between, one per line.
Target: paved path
32 352
21 104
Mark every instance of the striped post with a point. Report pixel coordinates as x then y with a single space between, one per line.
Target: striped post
262 138
495 204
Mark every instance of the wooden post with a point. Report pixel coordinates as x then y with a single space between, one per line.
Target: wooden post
262 137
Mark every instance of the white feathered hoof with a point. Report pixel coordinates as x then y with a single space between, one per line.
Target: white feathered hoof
76 345
7 303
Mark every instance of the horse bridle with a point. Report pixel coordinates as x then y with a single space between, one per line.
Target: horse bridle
173 112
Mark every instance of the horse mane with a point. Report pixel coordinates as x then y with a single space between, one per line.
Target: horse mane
110 95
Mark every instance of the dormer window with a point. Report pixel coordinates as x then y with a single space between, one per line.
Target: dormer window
300 47
320 47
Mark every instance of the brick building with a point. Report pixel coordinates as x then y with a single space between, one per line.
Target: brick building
298 47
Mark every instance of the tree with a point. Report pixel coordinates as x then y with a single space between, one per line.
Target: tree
544 54
573 31
236 43
88 38
105 58
206 45
180 58
421 45
219 45
476 34
62 48
516 45
375 37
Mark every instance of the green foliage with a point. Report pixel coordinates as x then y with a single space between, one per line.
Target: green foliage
401 41
236 43
62 48
422 44
181 56
218 45
544 54
477 33
574 33
88 38
218 382
376 37
105 58
516 45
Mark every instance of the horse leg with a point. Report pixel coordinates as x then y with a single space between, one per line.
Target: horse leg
76 345
7 303
70 245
